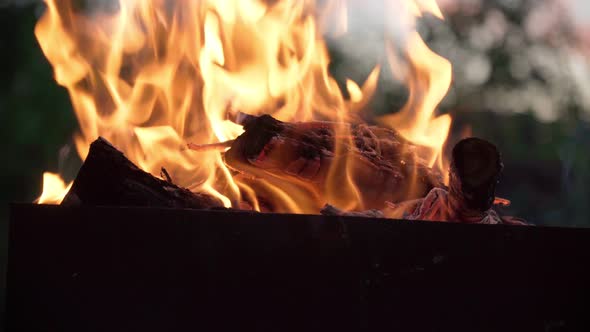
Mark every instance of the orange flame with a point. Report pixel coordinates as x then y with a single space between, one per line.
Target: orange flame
151 75
428 77
54 189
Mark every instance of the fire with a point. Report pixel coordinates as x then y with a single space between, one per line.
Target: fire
429 78
54 189
152 75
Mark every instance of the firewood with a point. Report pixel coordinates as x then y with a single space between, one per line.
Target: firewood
385 166
475 170
107 177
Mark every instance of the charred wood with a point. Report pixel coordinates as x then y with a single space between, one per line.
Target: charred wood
108 178
474 173
475 170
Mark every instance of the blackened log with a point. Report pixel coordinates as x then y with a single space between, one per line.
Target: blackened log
475 170
474 173
108 178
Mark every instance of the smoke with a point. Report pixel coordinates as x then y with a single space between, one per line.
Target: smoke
370 24
17 3
372 28
579 11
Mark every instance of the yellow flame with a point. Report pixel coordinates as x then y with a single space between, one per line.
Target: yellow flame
356 95
418 7
428 79
54 189
155 74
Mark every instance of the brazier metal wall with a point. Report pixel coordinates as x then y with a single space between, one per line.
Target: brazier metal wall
137 269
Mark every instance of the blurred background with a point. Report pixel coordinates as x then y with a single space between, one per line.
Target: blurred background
521 78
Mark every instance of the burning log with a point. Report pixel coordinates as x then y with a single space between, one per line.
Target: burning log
475 170
385 166
107 177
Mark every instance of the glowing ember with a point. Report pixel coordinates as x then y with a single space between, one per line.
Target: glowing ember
152 75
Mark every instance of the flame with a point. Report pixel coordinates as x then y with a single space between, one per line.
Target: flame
54 189
428 80
151 75
428 77
419 7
